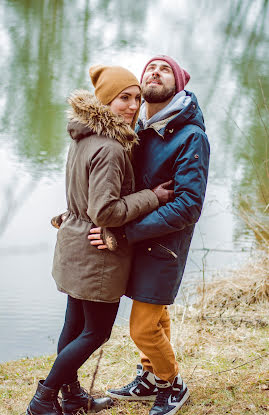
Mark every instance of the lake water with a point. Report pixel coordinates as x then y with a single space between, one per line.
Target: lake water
46 50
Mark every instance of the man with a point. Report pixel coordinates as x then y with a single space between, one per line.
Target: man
173 144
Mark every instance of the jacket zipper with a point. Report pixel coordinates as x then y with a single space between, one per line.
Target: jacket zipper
167 249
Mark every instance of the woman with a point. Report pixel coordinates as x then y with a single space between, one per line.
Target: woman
99 186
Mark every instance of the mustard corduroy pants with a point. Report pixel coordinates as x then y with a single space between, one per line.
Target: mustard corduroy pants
150 331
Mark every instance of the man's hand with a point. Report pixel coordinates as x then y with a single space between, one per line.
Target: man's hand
96 238
163 194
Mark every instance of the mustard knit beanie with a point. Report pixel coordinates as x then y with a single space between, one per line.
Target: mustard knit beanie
109 81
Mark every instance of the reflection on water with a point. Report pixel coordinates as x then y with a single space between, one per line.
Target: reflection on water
46 50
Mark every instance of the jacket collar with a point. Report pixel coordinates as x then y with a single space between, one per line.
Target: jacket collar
160 126
191 114
88 116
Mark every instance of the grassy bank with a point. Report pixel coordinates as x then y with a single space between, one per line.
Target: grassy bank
222 347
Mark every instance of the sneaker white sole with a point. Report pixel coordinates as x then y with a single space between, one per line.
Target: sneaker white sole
131 398
183 400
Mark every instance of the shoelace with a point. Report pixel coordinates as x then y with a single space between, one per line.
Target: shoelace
162 397
135 382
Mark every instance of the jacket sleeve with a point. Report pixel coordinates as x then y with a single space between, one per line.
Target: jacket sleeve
190 178
106 207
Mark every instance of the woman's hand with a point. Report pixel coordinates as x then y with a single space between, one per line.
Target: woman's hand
163 194
96 238
103 238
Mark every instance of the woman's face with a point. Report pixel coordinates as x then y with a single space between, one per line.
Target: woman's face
126 103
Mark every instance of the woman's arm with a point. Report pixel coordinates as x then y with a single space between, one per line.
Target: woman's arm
106 207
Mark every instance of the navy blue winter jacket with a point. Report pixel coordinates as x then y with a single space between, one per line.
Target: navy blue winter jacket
180 151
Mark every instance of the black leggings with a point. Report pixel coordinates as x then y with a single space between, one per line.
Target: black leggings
87 326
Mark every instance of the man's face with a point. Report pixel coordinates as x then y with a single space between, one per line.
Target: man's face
158 83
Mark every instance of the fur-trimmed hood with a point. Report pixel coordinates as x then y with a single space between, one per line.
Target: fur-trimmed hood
88 116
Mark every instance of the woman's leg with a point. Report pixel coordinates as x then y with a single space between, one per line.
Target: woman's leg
98 321
74 322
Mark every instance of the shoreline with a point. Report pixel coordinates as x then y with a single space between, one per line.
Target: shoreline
221 344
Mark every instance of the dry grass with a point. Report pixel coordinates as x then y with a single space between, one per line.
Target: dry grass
239 290
222 350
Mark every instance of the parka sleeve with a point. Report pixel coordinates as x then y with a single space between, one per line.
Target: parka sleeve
190 179
106 207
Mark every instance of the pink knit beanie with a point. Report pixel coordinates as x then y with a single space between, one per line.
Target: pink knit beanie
181 76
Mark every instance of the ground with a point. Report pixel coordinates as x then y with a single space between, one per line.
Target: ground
221 344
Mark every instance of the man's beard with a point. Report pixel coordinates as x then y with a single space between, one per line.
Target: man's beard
152 96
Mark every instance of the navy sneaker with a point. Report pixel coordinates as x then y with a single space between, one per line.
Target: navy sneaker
170 397
142 388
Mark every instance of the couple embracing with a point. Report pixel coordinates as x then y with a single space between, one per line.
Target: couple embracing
135 185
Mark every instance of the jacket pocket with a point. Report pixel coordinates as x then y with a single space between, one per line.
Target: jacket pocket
158 250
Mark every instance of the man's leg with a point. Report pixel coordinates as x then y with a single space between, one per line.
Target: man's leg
150 337
166 327
150 330
143 387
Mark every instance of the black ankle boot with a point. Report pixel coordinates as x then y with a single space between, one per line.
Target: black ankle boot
76 400
44 402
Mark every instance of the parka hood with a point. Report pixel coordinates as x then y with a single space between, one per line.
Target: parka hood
188 114
191 114
88 116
